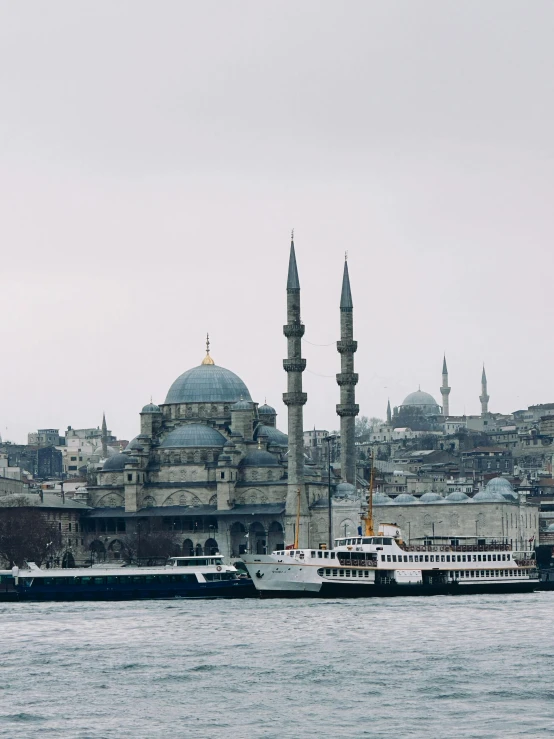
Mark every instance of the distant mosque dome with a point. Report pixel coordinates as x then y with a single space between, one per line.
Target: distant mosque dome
425 402
502 486
381 499
242 405
489 496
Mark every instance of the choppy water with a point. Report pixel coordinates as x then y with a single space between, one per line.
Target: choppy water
471 666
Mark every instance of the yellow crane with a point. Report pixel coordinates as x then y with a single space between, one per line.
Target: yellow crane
369 514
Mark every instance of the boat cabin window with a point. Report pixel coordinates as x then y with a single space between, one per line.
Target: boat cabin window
333 555
387 540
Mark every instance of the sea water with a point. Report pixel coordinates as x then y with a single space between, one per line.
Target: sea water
466 666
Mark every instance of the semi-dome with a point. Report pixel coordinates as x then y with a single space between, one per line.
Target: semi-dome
431 498
207 383
259 458
489 496
425 402
193 435
151 408
133 444
550 529
266 410
273 435
457 497
405 498
118 461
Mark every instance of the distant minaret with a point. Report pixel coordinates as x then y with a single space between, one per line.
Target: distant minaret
389 414
104 437
347 409
445 390
295 399
484 398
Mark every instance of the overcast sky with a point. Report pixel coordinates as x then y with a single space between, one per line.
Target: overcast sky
155 156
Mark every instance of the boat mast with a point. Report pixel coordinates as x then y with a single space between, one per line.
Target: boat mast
369 514
297 527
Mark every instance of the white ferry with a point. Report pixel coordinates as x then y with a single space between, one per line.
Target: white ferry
384 565
181 577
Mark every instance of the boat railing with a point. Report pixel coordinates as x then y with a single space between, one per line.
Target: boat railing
463 548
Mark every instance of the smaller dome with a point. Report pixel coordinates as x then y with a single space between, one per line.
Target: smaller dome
457 497
118 461
489 496
381 499
500 484
508 495
550 529
242 405
133 444
266 410
193 435
405 498
151 408
259 458
431 498
274 436
344 490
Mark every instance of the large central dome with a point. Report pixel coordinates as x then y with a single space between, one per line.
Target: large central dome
207 383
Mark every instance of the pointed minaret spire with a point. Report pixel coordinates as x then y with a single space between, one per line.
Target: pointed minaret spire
293 283
445 389
389 414
104 436
347 410
295 399
484 397
346 295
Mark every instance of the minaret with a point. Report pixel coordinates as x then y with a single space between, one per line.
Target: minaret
389 414
445 390
294 399
104 437
484 398
347 409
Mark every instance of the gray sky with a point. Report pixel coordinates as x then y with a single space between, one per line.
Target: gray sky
154 157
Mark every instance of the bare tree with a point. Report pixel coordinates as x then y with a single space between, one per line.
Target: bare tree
151 541
25 533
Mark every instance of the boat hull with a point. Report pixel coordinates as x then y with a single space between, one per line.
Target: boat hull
347 590
231 589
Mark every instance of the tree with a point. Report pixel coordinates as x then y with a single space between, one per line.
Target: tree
25 533
362 428
151 541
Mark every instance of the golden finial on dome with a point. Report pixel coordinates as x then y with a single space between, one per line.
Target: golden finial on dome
207 359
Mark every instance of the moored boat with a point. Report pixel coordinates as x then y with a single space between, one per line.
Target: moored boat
385 566
181 577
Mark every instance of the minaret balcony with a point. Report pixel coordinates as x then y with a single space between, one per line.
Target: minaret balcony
294 330
347 378
347 346
445 390
295 398
294 365
346 410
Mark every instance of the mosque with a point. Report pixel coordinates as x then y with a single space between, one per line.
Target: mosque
213 466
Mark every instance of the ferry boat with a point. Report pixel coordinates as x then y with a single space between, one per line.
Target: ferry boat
181 577
384 566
